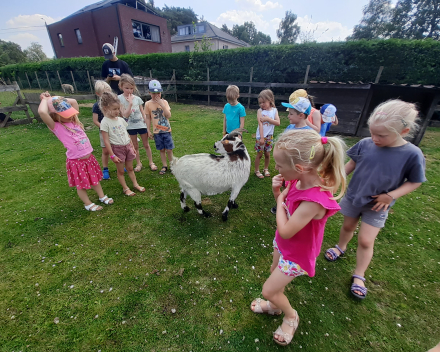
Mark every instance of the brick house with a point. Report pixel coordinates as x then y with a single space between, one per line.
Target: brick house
188 34
130 25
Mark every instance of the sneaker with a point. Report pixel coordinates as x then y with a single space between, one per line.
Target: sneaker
105 174
273 210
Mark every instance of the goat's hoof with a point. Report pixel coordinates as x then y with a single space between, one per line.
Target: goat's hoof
234 205
225 216
186 209
206 214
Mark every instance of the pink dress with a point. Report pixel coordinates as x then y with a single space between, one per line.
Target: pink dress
304 247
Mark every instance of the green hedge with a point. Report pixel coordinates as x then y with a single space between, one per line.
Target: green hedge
405 61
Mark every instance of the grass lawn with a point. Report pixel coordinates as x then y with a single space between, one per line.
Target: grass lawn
142 275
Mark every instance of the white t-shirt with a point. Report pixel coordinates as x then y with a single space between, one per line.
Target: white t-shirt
116 129
268 128
135 120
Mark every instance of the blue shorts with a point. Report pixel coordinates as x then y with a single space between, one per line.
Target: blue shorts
136 131
163 141
370 217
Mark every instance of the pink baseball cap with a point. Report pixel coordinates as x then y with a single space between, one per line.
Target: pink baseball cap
61 106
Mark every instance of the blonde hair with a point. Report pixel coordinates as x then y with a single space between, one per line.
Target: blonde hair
126 78
108 99
101 86
305 147
302 93
232 94
396 115
267 95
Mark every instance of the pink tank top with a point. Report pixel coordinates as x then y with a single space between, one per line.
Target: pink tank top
305 246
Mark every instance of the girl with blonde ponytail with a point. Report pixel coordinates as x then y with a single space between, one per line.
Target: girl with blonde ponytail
312 168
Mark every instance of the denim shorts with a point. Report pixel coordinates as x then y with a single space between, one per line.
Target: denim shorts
163 141
136 131
370 217
288 267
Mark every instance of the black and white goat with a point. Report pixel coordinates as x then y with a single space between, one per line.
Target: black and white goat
211 174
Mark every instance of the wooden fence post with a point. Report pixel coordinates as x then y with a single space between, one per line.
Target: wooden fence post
73 79
28 80
379 73
207 78
48 80
306 77
20 82
37 80
90 83
151 75
250 88
175 87
61 83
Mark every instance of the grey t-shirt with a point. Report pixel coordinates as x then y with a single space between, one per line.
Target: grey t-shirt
135 120
382 169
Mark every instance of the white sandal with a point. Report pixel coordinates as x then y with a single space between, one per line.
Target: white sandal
106 200
286 336
93 207
269 310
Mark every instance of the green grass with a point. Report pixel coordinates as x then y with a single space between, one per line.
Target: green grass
112 279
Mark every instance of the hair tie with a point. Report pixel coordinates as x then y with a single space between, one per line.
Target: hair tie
404 123
312 152
324 140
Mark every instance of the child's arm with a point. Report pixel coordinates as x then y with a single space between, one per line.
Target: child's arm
336 121
147 119
312 125
275 121
165 107
384 200
74 104
95 119
126 112
43 111
242 122
277 183
224 125
349 167
108 146
305 212
260 126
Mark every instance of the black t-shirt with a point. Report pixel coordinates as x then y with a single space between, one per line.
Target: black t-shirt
117 67
97 110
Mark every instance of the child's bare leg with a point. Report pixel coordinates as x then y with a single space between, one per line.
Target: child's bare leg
266 160
273 291
147 148
367 236
257 161
121 175
82 194
130 171
163 157
169 154
346 234
98 190
104 157
136 147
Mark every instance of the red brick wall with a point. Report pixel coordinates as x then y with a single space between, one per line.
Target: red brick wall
139 46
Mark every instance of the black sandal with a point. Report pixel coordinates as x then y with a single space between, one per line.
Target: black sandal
163 170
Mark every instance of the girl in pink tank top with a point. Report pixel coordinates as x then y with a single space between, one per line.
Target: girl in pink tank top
312 168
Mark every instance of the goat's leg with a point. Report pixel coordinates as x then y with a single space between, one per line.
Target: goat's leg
231 202
183 205
197 197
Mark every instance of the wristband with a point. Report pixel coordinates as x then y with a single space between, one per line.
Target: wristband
112 156
389 195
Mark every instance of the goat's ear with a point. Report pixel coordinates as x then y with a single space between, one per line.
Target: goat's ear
225 141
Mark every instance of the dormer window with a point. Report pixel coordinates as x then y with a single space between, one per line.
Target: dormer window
200 28
185 30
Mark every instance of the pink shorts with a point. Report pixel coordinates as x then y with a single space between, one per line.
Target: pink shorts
83 173
124 152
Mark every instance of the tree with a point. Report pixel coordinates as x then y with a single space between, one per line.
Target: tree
177 16
35 53
409 19
248 33
288 30
11 53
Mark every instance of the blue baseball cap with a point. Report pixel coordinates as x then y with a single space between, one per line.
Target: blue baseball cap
328 111
300 104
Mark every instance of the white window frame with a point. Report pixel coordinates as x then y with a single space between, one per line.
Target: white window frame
186 29
78 36
60 38
141 26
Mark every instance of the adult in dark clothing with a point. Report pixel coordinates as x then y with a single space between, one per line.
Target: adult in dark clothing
113 68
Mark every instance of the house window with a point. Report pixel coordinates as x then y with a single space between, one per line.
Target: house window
186 47
60 37
146 31
200 28
78 36
185 30
225 46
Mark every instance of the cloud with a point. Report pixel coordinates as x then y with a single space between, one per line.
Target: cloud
326 31
29 20
257 5
239 17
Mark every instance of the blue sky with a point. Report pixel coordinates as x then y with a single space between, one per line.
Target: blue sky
325 20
